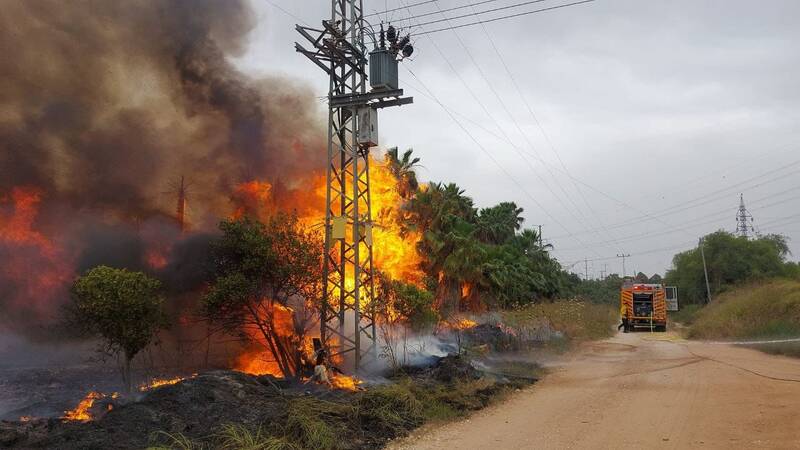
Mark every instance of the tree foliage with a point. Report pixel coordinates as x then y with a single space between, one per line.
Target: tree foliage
731 260
122 308
405 303
476 258
263 273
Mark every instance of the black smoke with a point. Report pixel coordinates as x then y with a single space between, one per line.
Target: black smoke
104 105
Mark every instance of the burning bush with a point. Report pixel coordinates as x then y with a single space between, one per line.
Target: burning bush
267 280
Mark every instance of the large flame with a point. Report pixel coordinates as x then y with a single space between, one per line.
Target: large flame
394 247
38 268
262 361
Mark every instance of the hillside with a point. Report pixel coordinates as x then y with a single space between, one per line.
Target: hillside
764 310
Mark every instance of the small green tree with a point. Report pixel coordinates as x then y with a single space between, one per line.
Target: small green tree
122 308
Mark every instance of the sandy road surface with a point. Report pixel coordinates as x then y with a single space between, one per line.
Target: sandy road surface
641 391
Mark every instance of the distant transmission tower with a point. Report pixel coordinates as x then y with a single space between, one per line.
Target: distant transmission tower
744 220
347 316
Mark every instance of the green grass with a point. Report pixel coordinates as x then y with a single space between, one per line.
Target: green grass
313 423
390 409
173 441
768 309
239 437
686 315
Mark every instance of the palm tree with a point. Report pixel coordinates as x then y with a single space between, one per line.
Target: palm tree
404 170
498 224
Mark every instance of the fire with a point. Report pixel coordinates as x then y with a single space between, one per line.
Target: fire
346 383
251 197
158 382
394 252
463 324
262 362
258 363
156 259
394 246
82 411
17 227
394 249
38 268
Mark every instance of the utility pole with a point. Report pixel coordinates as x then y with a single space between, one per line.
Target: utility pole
339 48
181 207
540 236
604 271
623 256
705 269
182 190
585 269
744 220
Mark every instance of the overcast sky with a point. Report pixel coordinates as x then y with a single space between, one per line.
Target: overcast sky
652 115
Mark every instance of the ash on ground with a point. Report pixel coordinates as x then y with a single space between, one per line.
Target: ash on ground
198 407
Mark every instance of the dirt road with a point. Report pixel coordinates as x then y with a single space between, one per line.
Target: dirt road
641 391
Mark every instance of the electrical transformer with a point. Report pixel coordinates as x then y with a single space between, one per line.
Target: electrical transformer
367 127
382 70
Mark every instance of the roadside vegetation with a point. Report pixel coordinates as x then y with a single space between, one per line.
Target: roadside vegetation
755 291
575 320
769 309
731 261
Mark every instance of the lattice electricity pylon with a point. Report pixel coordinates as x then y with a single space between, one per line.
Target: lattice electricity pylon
339 49
744 220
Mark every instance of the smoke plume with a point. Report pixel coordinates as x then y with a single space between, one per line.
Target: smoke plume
103 106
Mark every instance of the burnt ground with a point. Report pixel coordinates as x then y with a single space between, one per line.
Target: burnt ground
197 407
296 415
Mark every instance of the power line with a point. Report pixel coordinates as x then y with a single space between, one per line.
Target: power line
492 158
495 19
544 134
293 16
691 224
400 8
470 5
708 198
510 115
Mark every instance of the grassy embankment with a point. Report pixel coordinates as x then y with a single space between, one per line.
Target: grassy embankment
764 310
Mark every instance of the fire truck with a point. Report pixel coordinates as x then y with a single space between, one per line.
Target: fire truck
644 306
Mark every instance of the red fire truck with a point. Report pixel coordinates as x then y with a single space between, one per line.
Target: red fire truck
643 306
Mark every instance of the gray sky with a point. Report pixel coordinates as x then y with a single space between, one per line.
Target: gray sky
652 115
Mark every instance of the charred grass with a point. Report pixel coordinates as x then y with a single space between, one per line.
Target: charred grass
231 410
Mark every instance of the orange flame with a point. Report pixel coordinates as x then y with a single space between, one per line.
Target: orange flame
262 362
158 382
258 363
346 383
394 246
43 269
82 411
251 197
463 324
